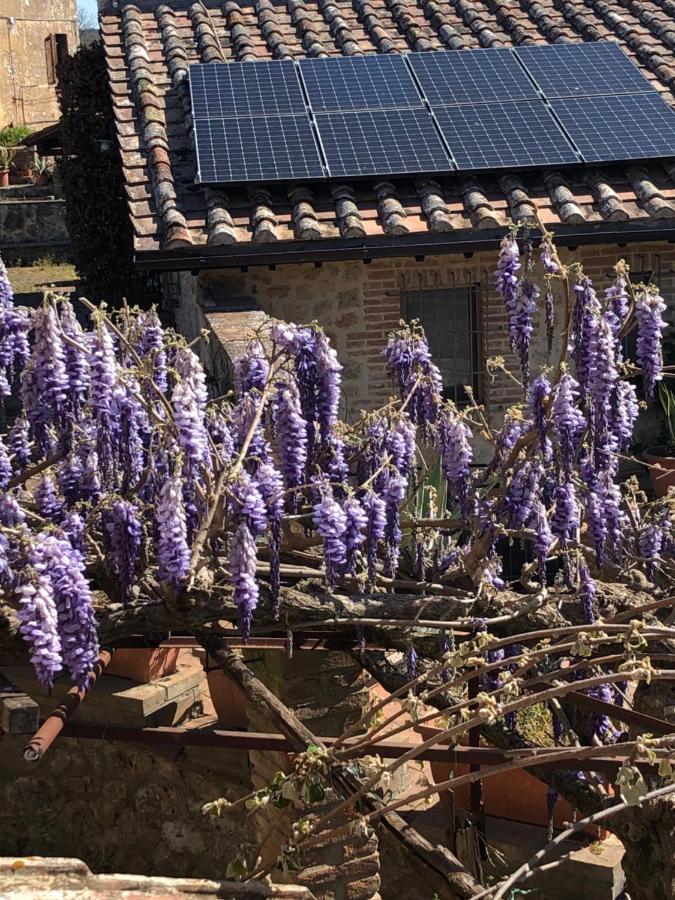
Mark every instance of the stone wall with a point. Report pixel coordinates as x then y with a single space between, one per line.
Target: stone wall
359 304
32 227
26 97
122 807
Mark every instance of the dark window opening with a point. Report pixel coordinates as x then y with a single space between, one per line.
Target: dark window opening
56 53
450 320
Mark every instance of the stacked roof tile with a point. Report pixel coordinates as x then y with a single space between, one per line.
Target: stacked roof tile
149 45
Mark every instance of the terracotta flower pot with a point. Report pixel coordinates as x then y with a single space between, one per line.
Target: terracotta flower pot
42 180
4 177
228 701
664 477
144 665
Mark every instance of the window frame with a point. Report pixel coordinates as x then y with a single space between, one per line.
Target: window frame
472 298
56 53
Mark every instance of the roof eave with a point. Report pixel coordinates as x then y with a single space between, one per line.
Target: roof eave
379 247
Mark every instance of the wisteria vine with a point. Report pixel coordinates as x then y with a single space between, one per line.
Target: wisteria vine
144 479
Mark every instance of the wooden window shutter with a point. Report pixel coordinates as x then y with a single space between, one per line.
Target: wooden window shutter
50 58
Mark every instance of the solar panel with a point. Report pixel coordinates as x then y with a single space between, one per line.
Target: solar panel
222 90
359 82
581 70
257 148
451 78
381 142
490 136
623 127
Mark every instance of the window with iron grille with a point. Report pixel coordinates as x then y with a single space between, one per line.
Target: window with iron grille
449 317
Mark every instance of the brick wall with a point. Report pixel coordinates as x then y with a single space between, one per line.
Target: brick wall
358 304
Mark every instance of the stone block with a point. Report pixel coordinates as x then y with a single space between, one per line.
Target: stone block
19 714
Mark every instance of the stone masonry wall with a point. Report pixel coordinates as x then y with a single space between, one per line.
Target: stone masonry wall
122 807
359 304
32 227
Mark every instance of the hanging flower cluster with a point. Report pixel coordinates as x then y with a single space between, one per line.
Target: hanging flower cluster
145 481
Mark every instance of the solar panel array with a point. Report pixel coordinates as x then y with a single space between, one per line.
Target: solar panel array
408 114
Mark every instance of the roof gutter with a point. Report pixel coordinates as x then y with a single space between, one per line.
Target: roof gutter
382 247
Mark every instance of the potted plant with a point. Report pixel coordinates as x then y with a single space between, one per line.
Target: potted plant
7 154
661 459
43 171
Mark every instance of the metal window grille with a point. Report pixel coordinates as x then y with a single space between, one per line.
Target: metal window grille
449 317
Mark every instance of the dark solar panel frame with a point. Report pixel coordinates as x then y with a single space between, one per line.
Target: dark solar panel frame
381 142
455 78
265 88
285 149
582 70
344 84
620 127
490 136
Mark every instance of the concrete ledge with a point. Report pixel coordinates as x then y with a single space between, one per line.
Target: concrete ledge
58 878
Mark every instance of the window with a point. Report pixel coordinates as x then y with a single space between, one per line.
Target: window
56 52
450 321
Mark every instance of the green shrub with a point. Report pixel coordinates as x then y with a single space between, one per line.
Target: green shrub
12 135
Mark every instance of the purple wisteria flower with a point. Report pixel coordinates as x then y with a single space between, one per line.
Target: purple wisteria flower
251 369
64 566
18 441
354 533
45 385
522 324
507 275
618 303
242 565
271 488
48 503
565 521
587 592
193 436
14 327
123 532
543 538
454 438
376 523
330 522
649 310
76 360
408 359
173 553
151 346
291 435
568 421
104 375
5 466
39 625
539 396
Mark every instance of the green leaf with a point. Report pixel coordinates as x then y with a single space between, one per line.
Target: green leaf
236 869
316 792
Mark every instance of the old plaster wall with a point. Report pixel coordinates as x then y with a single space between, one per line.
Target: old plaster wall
359 304
122 807
26 97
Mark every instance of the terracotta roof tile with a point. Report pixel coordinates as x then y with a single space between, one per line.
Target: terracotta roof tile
149 45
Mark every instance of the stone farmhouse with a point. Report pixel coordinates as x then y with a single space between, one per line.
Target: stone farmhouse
35 35
359 256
